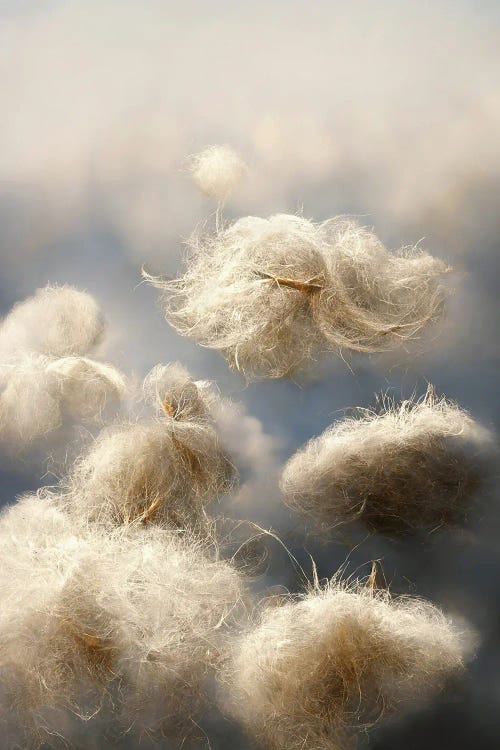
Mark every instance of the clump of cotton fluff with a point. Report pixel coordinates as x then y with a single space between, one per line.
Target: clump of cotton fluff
216 171
120 628
38 394
86 386
164 471
314 672
45 381
271 294
57 321
41 670
29 402
417 464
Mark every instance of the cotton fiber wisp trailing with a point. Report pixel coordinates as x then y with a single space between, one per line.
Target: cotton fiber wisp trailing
317 670
272 294
120 628
44 379
417 464
163 470
216 171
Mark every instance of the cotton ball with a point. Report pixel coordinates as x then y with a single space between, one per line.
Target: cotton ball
217 170
163 611
273 294
116 629
313 672
29 402
38 394
165 471
42 674
56 321
414 465
86 386
172 391
228 299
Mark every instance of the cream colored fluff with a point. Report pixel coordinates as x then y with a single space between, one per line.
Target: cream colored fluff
44 379
57 321
216 171
121 628
317 670
417 464
164 470
272 294
38 393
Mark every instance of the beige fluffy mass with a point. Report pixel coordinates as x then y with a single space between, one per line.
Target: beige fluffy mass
416 464
121 628
217 170
44 378
164 470
317 670
272 294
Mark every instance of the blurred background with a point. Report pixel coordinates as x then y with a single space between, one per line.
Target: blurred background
387 111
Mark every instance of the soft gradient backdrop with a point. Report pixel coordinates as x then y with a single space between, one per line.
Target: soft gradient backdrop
389 111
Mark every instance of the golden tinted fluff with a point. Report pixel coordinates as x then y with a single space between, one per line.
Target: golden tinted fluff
417 464
120 629
163 470
216 171
317 670
271 294
44 379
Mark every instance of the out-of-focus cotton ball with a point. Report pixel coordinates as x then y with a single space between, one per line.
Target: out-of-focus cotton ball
217 170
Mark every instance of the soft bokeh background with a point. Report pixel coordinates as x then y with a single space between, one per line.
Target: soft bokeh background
389 111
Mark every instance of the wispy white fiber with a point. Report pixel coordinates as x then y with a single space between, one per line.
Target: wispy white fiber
217 170
122 627
318 669
44 378
414 464
164 470
272 294
57 321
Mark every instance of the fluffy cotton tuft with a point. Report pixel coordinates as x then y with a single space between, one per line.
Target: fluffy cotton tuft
120 627
216 171
171 390
164 470
413 465
38 394
313 672
86 386
57 321
44 382
271 294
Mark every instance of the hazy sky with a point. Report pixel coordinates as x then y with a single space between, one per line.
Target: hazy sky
386 110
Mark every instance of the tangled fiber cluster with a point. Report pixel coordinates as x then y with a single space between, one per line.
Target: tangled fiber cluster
271 294
315 671
417 464
118 628
163 470
216 171
45 378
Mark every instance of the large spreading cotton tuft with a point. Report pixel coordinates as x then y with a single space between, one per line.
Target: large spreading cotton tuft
121 628
417 464
273 294
316 670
